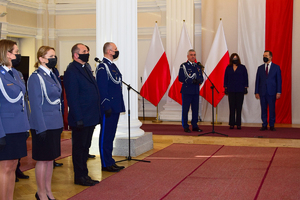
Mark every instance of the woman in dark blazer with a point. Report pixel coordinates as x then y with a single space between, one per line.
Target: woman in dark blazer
46 123
235 84
14 124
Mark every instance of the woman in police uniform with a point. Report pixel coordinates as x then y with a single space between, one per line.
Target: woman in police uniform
13 118
46 121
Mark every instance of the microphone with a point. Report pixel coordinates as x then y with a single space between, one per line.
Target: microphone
199 63
97 60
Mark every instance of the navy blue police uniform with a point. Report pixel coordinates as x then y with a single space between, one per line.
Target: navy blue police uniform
84 107
109 80
13 115
190 75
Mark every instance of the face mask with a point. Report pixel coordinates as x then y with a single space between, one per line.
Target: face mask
116 55
51 62
235 62
266 59
15 62
84 57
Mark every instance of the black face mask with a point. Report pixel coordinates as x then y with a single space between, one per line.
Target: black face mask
15 62
116 55
84 57
266 59
235 62
51 62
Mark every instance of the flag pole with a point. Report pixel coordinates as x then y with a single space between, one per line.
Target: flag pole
157 120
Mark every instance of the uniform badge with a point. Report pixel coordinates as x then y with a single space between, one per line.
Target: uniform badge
2 71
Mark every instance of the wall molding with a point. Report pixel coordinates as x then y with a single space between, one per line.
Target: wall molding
20 31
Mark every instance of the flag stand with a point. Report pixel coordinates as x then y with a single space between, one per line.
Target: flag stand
157 120
216 122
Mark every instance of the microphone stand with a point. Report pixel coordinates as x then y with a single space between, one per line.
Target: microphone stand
129 158
212 105
143 103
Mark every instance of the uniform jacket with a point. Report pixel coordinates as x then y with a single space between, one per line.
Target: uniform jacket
268 84
13 116
44 116
187 76
110 91
82 96
237 80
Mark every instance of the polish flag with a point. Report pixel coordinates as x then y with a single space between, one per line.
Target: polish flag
217 61
181 56
266 25
156 77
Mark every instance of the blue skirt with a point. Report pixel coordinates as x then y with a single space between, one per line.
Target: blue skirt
15 147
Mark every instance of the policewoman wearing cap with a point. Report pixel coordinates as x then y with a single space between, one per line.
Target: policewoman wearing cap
46 123
13 118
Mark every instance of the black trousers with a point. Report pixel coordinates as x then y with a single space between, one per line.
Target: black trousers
235 100
81 142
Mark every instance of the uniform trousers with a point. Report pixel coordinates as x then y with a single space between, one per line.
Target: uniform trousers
235 100
187 101
81 142
107 136
265 101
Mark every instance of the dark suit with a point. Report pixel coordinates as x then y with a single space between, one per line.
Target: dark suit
190 91
267 86
110 88
235 82
84 105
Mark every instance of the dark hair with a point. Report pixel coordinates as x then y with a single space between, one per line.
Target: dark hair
106 47
270 53
6 46
231 58
75 49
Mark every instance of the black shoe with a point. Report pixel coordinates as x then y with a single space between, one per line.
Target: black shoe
272 128
21 175
89 178
84 181
91 156
111 169
17 180
55 164
239 127
264 128
37 196
197 129
116 166
231 127
187 130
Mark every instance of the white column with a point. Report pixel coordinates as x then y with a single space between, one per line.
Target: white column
116 21
177 11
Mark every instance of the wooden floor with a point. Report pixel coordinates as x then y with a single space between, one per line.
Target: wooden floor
63 186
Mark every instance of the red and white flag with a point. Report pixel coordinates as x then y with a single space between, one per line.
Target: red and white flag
180 57
267 25
216 63
156 77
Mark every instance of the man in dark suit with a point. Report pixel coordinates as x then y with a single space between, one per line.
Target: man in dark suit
84 111
268 89
190 75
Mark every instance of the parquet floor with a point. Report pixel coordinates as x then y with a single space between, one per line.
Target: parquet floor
63 186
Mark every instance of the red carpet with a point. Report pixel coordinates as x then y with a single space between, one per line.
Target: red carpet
194 171
28 163
164 129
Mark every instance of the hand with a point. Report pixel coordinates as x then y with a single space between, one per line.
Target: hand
246 91
2 143
257 96
108 113
42 135
27 134
80 124
278 95
226 91
195 81
199 81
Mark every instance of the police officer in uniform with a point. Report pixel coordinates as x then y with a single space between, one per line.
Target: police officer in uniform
190 75
109 80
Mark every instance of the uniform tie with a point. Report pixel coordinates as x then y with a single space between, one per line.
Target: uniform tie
52 76
267 69
11 73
